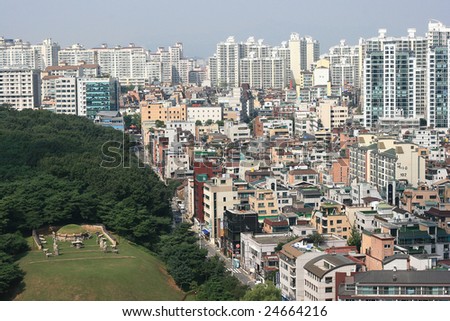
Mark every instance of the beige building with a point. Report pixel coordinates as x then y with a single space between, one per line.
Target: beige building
320 276
162 111
331 219
204 113
292 258
331 115
219 194
265 203
420 199
376 247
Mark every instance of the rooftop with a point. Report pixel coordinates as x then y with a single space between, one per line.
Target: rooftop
335 262
403 277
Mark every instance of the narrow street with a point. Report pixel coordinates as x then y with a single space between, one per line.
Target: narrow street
243 276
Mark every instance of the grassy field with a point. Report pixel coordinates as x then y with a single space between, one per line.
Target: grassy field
88 274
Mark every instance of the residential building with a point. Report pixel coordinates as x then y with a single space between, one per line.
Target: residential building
377 247
162 111
431 285
204 113
237 131
110 119
384 70
292 259
219 195
298 176
438 113
332 115
330 218
340 171
65 97
225 64
265 203
20 87
258 255
76 54
127 64
320 276
97 94
420 199
237 221
344 65
17 53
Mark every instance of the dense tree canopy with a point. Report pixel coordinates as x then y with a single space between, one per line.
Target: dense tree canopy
191 270
58 169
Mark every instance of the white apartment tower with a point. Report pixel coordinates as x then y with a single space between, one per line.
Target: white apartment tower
344 65
438 34
438 114
66 95
18 53
417 46
128 64
228 54
20 87
76 54
303 53
47 53
258 72
389 84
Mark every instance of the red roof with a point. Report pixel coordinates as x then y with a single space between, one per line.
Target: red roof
275 223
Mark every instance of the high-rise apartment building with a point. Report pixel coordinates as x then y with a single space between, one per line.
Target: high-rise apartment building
267 72
438 74
304 51
228 54
66 95
344 65
97 94
417 48
389 83
438 113
128 64
19 53
47 53
20 87
438 34
76 54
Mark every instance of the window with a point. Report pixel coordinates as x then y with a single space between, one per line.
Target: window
339 222
328 279
328 289
387 246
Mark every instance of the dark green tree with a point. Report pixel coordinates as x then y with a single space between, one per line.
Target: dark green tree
355 238
10 276
316 238
13 244
263 292
198 122
159 123
221 288
208 122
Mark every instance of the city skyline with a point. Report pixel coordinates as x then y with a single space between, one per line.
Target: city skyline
202 29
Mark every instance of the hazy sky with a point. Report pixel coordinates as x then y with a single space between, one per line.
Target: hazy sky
201 24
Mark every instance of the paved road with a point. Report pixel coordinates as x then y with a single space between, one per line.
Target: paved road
239 273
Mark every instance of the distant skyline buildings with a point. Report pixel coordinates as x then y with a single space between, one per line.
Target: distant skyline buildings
200 27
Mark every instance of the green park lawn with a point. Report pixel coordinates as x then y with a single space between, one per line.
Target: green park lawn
88 274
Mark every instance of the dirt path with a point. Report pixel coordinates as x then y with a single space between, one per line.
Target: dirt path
84 258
